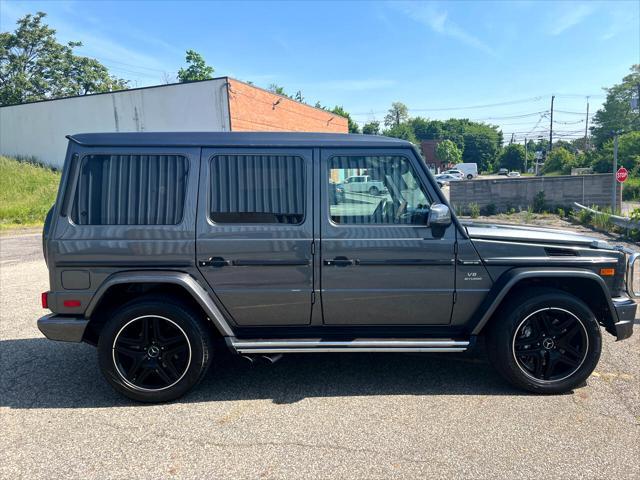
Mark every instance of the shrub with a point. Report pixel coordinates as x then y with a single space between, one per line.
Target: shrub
490 209
539 202
474 210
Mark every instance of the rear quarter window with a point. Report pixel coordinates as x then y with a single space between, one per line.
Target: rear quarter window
130 190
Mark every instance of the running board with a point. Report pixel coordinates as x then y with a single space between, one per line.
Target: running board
356 345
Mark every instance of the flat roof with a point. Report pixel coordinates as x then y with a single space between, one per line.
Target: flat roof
234 139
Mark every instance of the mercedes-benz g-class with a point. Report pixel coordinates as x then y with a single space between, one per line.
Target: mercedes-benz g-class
161 246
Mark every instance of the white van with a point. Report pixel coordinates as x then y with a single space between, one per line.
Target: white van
470 170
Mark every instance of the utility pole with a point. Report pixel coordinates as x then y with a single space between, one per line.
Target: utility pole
553 97
586 129
525 154
615 169
511 141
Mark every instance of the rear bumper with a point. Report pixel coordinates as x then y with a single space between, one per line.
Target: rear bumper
626 312
63 328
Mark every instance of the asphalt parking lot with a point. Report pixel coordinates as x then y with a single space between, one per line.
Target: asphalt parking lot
307 416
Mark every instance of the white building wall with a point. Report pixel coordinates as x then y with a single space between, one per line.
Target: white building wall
39 129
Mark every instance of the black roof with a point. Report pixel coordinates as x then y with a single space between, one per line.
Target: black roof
234 139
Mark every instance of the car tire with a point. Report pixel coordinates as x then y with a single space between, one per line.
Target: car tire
469 177
545 341
154 349
374 191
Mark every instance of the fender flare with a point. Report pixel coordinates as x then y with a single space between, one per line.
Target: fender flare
184 280
511 278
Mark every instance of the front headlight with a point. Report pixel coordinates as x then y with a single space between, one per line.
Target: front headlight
633 275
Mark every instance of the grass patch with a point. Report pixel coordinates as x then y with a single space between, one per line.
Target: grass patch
27 191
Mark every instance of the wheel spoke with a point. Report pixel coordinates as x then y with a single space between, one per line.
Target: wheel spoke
136 366
169 367
163 375
550 364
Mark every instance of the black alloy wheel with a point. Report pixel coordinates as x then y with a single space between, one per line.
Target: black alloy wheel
544 340
155 348
151 353
550 344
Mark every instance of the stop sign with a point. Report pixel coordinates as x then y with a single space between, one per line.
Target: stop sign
622 174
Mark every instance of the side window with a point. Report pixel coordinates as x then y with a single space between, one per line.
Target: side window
391 194
130 190
257 189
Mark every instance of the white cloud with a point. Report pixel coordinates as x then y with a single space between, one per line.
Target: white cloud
439 22
569 17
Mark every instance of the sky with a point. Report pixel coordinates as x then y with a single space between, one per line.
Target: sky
497 62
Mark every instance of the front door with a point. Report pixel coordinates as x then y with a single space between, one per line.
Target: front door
255 233
381 264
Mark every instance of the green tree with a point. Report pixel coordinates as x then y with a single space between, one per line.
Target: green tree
299 97
628 154
616 114
448 153
353 126
371 128
425 129
397 114
275 88
559 160
197 68
512 157
403 131
34 66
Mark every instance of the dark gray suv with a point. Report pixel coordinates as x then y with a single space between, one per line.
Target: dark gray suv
163 248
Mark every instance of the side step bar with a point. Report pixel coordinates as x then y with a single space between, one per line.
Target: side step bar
356 345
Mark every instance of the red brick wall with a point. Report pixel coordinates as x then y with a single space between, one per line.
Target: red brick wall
253 109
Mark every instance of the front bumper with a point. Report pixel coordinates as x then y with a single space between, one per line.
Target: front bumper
626 312
63 328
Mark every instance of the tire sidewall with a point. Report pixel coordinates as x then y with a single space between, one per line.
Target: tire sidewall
200 351
501 341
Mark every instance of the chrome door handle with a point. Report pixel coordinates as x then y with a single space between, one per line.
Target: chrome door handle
339 262
214 262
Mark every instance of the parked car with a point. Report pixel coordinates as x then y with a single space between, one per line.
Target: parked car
503 171
514 174
455 172
362 184
469 170
448 177
165 249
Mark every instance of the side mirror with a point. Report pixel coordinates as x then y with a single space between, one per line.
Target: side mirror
439 215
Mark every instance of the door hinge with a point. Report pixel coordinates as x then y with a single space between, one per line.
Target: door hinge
313 248
455 297
313 297
455 249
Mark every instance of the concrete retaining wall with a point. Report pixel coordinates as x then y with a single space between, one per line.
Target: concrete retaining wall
519 193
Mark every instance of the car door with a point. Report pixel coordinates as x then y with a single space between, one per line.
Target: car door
381 264
255 233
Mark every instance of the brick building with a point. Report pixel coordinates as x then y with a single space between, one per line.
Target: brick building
38 129
428 148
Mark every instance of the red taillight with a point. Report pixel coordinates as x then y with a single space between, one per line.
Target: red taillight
44 298
71 303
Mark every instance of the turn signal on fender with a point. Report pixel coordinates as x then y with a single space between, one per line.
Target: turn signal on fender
607 272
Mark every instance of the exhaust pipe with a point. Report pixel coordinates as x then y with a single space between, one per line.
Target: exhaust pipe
271 359
251 360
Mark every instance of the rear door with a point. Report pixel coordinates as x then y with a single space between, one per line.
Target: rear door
381 264
255 233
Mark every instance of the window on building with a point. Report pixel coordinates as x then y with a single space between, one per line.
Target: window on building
257 189
130 190
387 191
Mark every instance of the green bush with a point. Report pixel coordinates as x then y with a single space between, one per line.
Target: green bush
539 203
631 190
27 191
474 210
490 209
